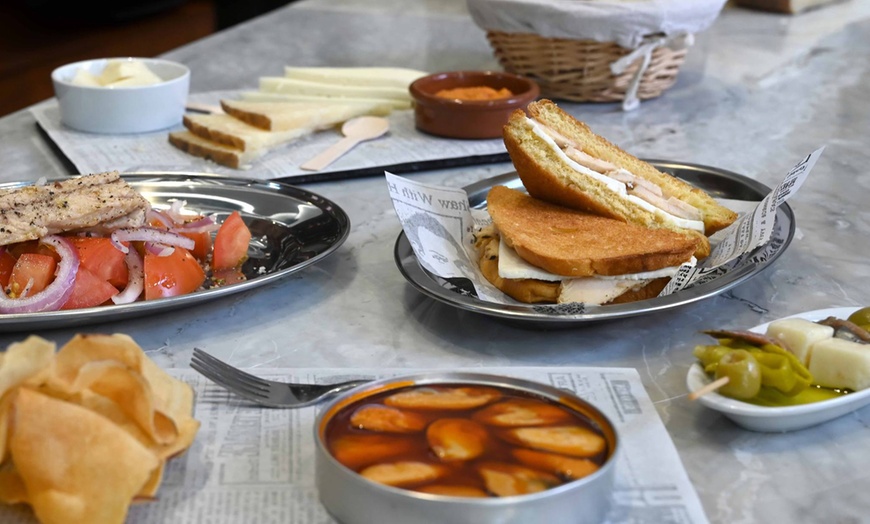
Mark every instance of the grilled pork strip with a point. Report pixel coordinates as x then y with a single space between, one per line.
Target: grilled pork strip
84 203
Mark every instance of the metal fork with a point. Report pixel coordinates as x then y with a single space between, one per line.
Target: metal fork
267 392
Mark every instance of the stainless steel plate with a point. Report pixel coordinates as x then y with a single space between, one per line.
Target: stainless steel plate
717 182
291 229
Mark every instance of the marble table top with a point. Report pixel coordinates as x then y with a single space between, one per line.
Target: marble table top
758 92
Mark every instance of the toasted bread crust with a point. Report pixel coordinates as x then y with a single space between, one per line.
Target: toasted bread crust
715 216
213 134
526 290
546 176
532 291
572 243
220 153
648 291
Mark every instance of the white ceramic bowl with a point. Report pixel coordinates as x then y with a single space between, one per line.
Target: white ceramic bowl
136 109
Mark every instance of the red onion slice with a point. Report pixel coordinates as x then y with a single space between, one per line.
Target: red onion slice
136 281
55 294
160 250
149 234
27 288
175 211
203 225
160 216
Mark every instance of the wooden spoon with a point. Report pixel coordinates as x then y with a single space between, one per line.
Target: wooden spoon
355 130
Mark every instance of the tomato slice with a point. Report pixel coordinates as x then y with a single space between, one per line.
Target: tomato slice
103 259
231 243
40 268
175 274
89 290
32 246
202 244
226 277
7 262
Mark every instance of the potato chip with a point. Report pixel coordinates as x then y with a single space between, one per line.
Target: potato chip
25 361
12 490
5 405
87 430
83 349
77 466
130 391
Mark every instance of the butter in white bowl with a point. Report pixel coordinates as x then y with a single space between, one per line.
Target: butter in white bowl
121 95
117 73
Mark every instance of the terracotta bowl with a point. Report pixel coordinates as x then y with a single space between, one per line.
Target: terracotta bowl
455 118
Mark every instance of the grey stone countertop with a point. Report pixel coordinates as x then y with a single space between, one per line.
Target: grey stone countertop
758 92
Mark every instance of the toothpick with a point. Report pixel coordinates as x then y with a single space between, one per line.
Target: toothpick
712 386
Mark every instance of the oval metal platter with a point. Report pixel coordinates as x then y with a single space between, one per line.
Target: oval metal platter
291 229
717 182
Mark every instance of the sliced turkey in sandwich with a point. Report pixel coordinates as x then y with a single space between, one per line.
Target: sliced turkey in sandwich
537 252
560 160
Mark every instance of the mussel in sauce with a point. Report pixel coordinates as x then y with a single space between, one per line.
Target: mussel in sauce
456 439
505 480
357 450
521 412
406 473
451 490
375 417
446 398
574 441
566 467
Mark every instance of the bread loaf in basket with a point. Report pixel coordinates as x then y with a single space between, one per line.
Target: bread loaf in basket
594 50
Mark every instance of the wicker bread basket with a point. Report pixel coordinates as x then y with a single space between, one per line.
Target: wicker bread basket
580 70
594 50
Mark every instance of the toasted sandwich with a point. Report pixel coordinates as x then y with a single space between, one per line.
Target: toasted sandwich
560 160
538 252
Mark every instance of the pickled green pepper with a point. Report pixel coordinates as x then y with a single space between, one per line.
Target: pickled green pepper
779 369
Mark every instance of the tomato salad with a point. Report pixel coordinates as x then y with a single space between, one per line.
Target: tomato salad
171 255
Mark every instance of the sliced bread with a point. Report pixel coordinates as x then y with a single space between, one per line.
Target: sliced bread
230 131
215 151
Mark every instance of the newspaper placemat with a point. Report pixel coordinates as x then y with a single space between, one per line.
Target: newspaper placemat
449 250
256 465
404 149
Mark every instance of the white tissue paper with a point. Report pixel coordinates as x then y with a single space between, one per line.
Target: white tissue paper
638 25
626 22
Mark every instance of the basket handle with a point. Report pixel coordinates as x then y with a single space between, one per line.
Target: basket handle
645 51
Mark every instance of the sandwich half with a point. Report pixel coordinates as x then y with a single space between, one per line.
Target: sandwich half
538 252
561 160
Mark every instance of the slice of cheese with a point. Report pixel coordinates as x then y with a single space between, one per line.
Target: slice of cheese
292 86
799 335
260 96
839 363
613 184
283 116
589 290
596 291
359 76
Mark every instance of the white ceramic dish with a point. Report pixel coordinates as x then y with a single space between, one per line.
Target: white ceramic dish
761 418
136 109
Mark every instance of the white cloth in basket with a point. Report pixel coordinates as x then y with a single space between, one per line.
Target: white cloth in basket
626 22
